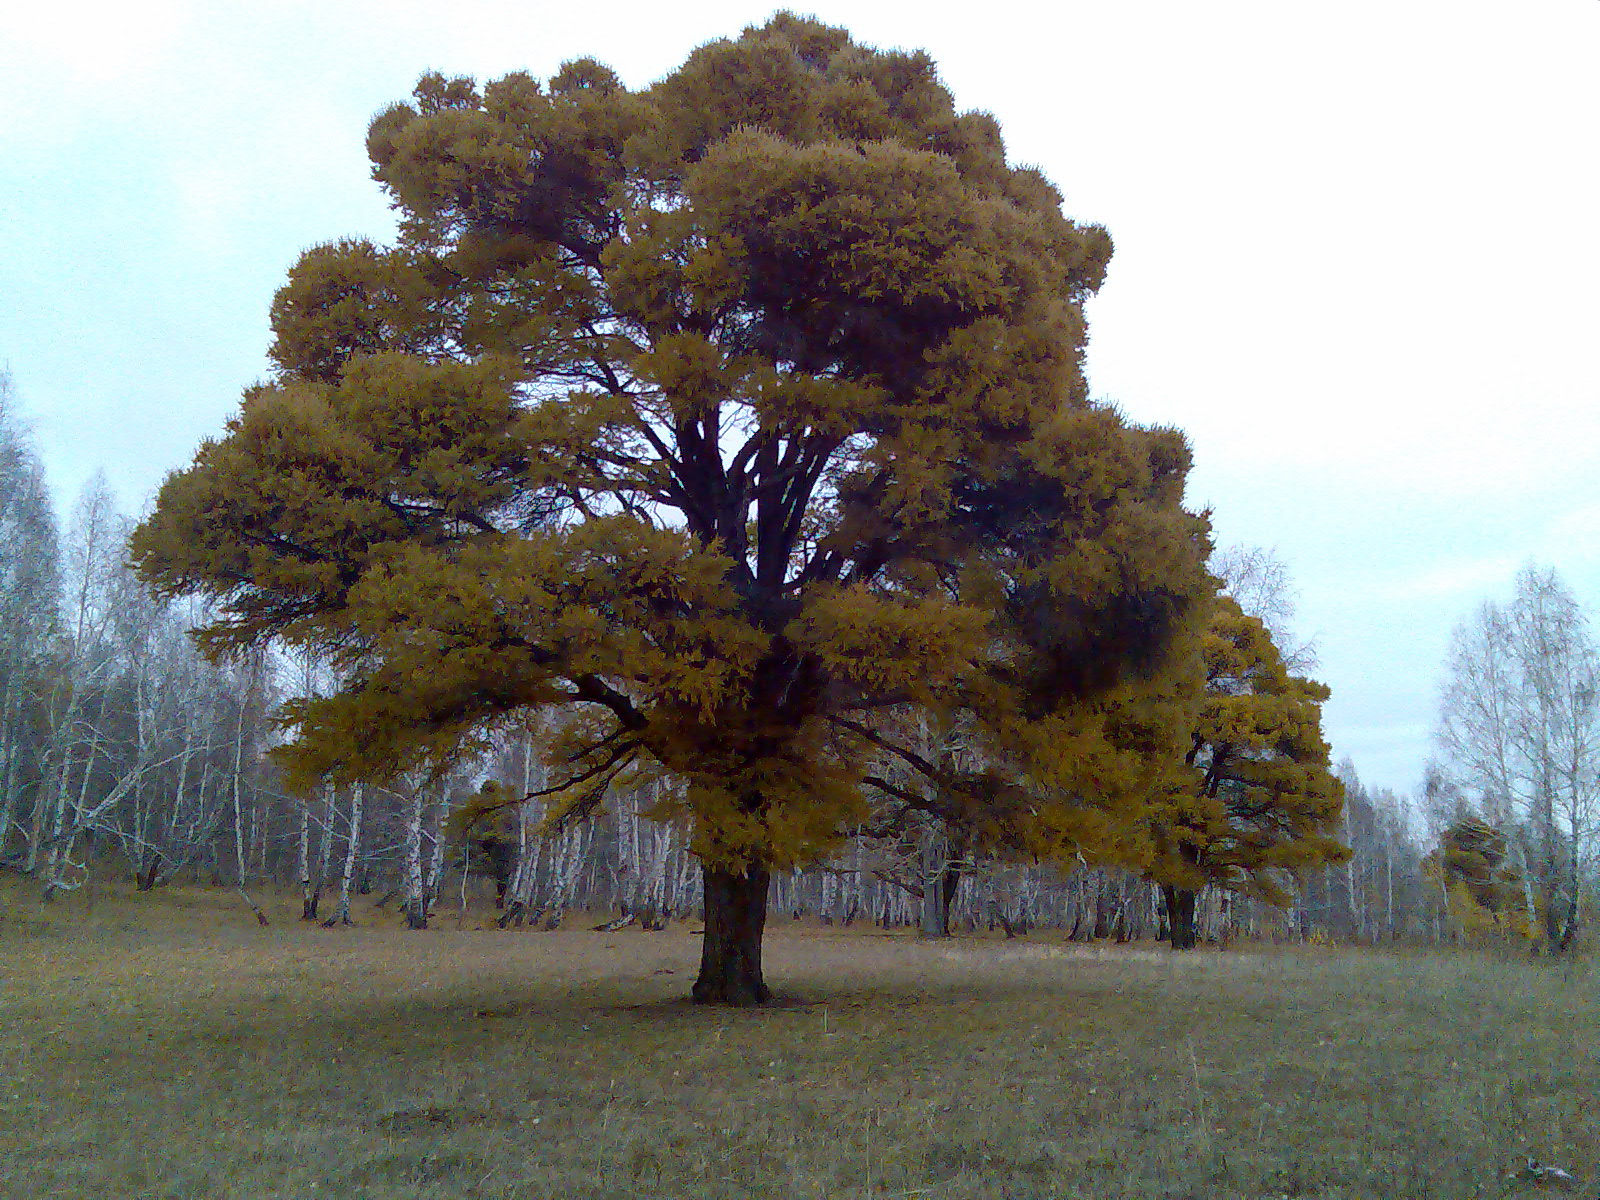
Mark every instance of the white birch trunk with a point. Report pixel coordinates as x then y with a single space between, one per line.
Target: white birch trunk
308 908
238 780
1388 888
416 900
433 881
1357 915
352 848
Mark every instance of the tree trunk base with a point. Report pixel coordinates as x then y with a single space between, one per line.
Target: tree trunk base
730 955
1180 917
255 909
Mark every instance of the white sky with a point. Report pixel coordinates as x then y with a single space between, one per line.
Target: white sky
1357 251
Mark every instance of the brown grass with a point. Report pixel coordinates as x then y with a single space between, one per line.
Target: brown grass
164 1046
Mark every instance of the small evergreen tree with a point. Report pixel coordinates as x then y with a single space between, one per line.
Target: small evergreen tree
1255 800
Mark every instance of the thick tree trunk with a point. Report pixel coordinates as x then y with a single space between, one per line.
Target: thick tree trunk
730 955
1180 917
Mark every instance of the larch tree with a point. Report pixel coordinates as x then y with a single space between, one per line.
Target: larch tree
1475 863
732 413
1254 800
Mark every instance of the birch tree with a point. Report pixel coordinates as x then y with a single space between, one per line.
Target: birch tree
1519 737
355 811
29 613
85 665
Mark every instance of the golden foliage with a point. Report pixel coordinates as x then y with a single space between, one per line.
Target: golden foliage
1255 801
733 413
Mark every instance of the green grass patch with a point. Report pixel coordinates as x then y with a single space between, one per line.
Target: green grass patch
167 1047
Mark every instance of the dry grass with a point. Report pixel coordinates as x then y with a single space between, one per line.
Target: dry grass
167 1047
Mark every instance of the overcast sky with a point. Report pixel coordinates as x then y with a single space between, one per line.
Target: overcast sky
1358 248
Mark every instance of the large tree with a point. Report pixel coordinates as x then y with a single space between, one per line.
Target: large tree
734 412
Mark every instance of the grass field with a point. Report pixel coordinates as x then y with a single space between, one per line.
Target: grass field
166 1046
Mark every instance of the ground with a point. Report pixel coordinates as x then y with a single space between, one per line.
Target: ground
166 1046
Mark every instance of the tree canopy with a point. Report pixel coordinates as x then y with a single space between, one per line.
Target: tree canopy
736 413
1254 799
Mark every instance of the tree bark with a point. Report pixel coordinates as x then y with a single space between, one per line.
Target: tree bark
416 903
1180 917
255 909
308 894
935 912
1102 908
10 752
730 955
352 849
240 865
950 886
